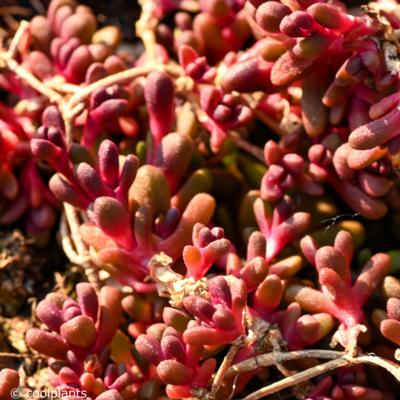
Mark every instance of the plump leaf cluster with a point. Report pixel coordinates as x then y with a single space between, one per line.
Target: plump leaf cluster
206 175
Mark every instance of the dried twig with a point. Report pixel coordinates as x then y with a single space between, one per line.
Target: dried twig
255 151
26 76
13 47
74 246
20 355
72 107
228 359
15 10
145 28
345 360
298 378
8 61
265 360
119 77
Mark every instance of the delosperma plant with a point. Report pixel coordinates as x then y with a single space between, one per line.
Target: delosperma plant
221 182
79 341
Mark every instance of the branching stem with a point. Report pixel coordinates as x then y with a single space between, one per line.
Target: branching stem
298 378
221 373
74 246
265 360
8 61
20 355
337 362
255 151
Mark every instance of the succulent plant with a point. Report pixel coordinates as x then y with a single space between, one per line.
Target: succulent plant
9 380
178 363
339 296
24 192
199 181
390 326
80 342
